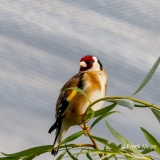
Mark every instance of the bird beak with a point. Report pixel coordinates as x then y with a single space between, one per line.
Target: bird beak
83 64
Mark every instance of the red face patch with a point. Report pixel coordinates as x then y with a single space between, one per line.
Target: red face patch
89 62
87 58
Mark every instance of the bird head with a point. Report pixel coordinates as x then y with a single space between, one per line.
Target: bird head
90 63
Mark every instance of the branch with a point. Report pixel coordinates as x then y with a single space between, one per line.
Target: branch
125 97
76 146
95 146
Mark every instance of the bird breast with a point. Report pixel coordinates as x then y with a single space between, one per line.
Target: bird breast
95 88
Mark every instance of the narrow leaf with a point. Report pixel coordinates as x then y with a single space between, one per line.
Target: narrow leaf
140 106
151 140
79 91
112 155
30 157
88 156
130 158
90 112
126 103
104 157
101 117
105 142
101 140
70 154
147 150
97 151
148 77
61 156
72 137
101 111
156 113
81 152
115 157
122 139
9 158
108 152
30 151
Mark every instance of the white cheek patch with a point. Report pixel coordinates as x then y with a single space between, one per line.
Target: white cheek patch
96 66
95 59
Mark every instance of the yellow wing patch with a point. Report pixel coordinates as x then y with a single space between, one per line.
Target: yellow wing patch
71 95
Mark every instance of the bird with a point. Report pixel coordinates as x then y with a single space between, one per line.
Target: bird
71 105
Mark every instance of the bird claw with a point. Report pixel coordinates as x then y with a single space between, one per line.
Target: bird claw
86 129
83 120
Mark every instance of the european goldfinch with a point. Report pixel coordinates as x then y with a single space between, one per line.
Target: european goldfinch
71 105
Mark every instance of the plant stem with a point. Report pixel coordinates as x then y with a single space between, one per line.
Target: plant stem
125 97
92 139
78 145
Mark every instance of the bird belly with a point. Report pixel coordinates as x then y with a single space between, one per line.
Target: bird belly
97 95
76 110
95 88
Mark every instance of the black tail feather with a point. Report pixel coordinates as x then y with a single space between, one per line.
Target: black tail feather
57 126
54 151
57 123
53 127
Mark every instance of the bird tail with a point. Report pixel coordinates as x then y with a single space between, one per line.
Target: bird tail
53 127
61 129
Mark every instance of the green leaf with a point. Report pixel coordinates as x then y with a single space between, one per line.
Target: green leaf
125 102
147 150
105 110
108 152
79 91
122 139
35 150
9 158
151 140
97 151
112 155
100 118
88 156
105 157
90 112
148 77
101 140
115 157
156 113
140 106
130 158
101 111
81 152
105 142
30 157
61 156
72 137
70 154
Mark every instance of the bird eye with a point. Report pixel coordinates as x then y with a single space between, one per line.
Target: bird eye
90 62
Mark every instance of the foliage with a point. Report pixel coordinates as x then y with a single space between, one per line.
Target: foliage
110 150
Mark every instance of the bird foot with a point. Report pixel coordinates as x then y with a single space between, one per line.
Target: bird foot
83 120
87 129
